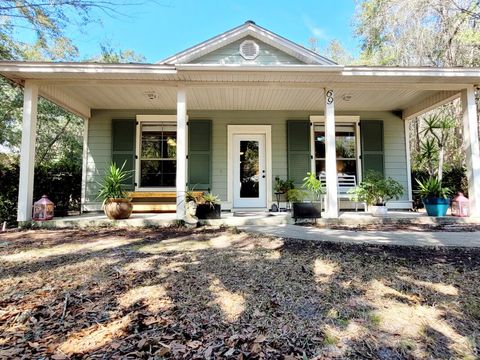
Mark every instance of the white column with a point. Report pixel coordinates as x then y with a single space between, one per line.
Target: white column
471 148
331 201
27 152
84 164
181 151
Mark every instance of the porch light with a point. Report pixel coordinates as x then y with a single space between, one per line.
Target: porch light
460 206
151 95
43 209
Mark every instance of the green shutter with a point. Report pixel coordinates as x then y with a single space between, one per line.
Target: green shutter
200 154
372 146
299 151
123 148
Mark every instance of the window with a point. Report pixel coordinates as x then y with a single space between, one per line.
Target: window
158 153
345 144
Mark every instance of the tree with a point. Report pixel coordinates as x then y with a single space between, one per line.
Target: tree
438 33
47 21
419 32
110 55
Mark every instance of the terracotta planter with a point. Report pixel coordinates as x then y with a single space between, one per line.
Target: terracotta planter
117 209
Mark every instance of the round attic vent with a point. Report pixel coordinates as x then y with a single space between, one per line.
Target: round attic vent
249 49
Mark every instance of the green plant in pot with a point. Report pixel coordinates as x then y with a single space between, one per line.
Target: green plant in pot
435 197
281 188
437 127
116 203
208 207
313 192
375 191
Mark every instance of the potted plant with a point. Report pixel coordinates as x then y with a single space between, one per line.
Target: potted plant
313 191
281 188
375 191
116 203
208 207
434 196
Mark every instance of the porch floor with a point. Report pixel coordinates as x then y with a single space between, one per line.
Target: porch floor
238 218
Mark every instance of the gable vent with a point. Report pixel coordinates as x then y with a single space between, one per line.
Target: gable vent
249 49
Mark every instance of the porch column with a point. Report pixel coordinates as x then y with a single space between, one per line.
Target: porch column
471 148
27 152
181 151
331 201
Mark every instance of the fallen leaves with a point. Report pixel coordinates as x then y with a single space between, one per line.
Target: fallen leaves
203 294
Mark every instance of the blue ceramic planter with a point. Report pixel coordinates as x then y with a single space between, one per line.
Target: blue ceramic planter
436 206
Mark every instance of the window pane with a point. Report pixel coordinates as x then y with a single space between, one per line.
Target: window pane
169 142
319 144
151 145
343 166
345 141
156 173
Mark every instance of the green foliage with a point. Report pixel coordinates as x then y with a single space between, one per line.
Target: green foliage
110 55
314 186
282 186
112 186
376 190
296 195
209 199
432 188
61 181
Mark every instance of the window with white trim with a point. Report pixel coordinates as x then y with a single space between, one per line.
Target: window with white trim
345 144
158 152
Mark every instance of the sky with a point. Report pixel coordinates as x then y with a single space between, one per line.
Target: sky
162 28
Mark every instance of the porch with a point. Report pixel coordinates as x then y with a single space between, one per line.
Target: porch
349 219
286 110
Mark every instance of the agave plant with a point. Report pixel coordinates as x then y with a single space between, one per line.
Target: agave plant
112 186
432 188
210 199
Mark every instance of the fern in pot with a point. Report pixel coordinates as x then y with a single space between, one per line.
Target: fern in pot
116 203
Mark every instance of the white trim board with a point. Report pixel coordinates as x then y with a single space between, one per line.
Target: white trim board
249 129
339 119
150 118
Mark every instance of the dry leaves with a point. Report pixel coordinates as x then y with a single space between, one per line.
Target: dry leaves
231 296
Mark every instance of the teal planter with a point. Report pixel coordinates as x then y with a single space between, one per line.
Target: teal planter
436 206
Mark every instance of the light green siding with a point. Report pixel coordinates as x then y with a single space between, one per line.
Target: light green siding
99 143
230 54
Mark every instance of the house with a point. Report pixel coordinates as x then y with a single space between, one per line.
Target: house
231 113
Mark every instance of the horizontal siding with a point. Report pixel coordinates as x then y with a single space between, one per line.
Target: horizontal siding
230 54
99 142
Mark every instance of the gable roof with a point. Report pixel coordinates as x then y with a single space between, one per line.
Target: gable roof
249 28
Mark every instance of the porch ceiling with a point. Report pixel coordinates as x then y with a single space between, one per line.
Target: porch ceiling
82 87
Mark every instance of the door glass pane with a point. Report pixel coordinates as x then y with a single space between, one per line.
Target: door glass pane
249 169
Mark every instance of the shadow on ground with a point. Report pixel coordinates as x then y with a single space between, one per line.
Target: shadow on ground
208 293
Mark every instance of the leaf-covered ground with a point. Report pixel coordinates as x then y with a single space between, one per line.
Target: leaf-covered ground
216 293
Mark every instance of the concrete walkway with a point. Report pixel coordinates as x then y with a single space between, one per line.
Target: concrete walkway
406 238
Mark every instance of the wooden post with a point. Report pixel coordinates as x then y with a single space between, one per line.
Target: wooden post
471 148
331 201
181 151
27 152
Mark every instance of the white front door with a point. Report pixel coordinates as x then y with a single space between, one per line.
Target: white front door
249 171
